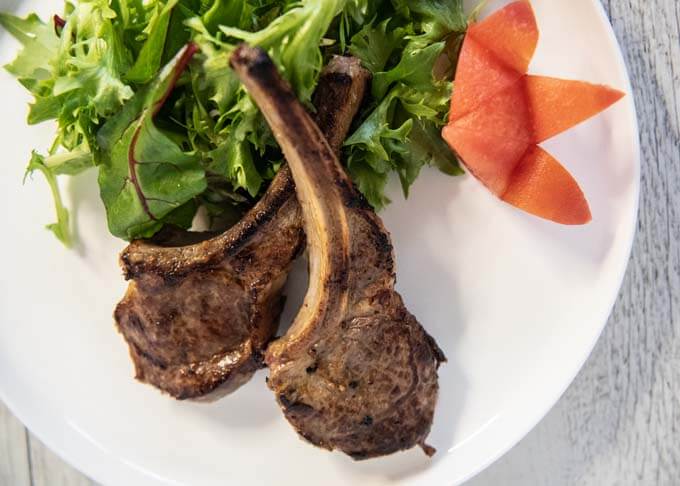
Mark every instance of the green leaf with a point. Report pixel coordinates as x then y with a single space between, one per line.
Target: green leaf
224 13
374 45
44 108
145 178
144 175
214 83
432 104
294 39
75 77
60 229
69 163
371 184
149 60
424 146
239 135
92 61
400 134
178 34
414 70
166 142
376 129
438 18
183 216
234 160
40 44
370 150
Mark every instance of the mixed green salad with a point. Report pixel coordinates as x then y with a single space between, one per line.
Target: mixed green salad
142 91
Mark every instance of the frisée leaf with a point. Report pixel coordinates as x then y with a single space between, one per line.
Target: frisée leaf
170 133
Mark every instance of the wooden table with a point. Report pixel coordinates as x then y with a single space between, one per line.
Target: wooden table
619 422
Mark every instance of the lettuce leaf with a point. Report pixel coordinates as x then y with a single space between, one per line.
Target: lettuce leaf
294 39
374 45
149 60
401 133
169 136
61 229
144 175
241 139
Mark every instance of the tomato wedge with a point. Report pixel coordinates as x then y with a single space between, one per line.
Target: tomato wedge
499 114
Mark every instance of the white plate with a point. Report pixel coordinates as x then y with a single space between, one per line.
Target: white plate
516 303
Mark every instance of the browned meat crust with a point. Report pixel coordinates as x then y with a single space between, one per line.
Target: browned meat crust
198 317
356 372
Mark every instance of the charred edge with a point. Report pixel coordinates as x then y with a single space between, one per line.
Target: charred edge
382 240
262 71
350 195
151 359
333 88
352 198
171 236
198 388
382 243
119 312
439 355
261 214
336 87
360 201
428 449
295 408
134 321
284 401
215 385
385 450
131 271
338 79
360 455
200 391
315 440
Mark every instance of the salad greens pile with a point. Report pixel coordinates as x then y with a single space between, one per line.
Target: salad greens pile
142 90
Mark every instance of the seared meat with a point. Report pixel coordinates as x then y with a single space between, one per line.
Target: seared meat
198 317
356 371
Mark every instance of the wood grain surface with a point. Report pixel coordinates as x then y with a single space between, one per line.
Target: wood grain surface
619 422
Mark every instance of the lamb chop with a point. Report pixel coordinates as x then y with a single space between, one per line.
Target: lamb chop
356 371
198 314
